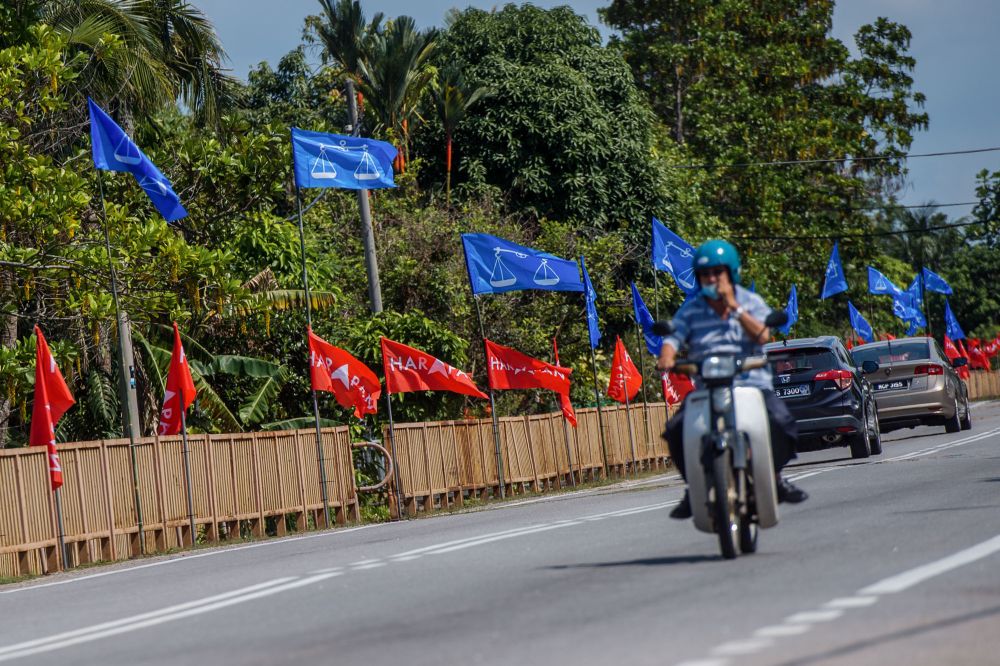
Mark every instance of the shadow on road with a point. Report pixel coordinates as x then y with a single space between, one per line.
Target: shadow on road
643 562
918 630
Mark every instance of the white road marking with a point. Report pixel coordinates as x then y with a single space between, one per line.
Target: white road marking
187 558
144 620
781 630
812 617
333 571
734 648
361 563
370 565
851 602
946 445
908 579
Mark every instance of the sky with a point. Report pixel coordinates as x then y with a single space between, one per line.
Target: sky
954 44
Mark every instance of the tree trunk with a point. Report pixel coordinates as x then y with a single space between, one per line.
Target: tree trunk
678 110
447 178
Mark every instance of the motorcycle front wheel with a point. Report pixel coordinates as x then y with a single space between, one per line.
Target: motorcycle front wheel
726 516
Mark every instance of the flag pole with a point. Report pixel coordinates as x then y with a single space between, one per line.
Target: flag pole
642 375
392 450
656 295
493 406
61 529
628 419
187 465
124 368
597 392
569 454
319 435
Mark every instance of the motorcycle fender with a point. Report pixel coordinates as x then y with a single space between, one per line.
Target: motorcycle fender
697 412
751 419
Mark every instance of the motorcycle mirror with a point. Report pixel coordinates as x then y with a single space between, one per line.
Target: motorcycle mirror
776 318
662 328
868 367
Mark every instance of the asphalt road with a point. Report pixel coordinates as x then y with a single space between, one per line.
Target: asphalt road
892 560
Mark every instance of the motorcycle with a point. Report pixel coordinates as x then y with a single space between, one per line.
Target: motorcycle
727 449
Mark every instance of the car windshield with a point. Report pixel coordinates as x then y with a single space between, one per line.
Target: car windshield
896 352
796 361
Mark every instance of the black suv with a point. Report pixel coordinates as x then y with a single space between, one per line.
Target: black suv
827 394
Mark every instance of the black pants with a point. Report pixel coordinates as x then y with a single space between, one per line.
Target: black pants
784 433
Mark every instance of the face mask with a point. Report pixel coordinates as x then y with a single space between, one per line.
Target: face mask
710 291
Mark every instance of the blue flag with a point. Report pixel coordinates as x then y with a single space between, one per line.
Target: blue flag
645 321
114 151
497 266
858 323
593 325
835 282
344 162
673 254
793 312
904 308
934 282
916 293
952 329
880 284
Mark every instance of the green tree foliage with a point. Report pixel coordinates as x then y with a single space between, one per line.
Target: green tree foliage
567 135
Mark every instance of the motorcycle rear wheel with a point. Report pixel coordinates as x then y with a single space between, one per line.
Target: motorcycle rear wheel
726 516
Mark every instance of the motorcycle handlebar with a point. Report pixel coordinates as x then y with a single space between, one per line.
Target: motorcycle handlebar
749 363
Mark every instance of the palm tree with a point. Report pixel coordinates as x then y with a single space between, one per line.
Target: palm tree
344 33
395 74
145 53
453 98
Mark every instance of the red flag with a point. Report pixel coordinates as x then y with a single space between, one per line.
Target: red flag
179 383
335 371
52 399
408 369
625 377
510 369
676 387
952 352
564 403
555 351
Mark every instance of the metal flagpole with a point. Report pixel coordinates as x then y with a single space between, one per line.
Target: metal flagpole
628 419
124 383
656 295
493 406
642 374
392 450
319 435
62 531
187 466
600 414
569 451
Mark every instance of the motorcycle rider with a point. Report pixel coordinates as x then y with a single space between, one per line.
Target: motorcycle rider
728 319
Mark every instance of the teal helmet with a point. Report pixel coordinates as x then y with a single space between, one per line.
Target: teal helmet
718 253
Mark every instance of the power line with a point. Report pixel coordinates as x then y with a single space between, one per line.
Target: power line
869 234
832 160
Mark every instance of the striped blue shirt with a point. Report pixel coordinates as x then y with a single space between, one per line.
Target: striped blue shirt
704 332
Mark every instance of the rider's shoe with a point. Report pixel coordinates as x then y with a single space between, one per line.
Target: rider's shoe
788 492
683 509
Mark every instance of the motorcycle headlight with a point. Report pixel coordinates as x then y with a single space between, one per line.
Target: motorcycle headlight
722 399
718 367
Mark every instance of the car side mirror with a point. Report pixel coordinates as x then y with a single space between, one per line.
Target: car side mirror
959 362
662 328
868 367
776 318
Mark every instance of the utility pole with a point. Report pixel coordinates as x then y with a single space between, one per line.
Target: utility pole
367 235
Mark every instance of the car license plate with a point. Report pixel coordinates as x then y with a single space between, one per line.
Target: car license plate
894 385
792 391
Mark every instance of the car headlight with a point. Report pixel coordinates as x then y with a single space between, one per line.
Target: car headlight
718 367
